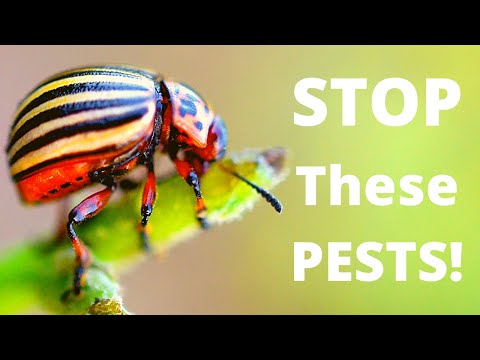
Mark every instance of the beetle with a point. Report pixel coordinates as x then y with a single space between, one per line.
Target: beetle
94 124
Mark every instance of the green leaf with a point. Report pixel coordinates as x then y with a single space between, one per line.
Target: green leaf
34 275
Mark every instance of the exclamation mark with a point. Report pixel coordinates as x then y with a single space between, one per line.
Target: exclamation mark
456 256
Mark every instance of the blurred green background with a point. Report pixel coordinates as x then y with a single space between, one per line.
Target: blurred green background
246 267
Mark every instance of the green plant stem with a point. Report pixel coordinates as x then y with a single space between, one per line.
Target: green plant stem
35 274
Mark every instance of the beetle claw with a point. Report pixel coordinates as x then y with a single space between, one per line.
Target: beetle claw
204 223
145 242
66 296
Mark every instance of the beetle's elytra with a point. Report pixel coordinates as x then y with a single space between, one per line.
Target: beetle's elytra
94 124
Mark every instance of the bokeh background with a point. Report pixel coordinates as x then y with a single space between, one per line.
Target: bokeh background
246 267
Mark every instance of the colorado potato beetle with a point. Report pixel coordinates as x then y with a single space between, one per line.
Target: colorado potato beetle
94 124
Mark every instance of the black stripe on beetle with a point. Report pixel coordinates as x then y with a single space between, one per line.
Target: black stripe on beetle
76 89
141 72
70 109
99 124
127 73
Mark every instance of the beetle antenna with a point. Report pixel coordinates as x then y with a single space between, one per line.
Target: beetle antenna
272 200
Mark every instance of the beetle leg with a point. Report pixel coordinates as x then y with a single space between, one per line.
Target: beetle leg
87 209
200 208
148 201
186 171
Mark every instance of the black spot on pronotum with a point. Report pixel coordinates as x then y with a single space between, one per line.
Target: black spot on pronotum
187 107
80 178
53 191
207 110
66 185
198 125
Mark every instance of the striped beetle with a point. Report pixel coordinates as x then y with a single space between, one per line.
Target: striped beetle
94 124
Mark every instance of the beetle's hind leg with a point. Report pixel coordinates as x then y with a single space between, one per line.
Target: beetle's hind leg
87 209
148 201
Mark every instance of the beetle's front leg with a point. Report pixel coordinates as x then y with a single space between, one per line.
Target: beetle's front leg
186 171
